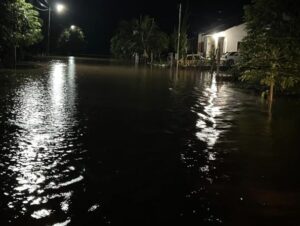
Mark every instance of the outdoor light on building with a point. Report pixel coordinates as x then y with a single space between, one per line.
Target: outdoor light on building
73 27
216 37
60 8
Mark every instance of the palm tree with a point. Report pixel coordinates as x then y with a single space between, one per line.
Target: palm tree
140 36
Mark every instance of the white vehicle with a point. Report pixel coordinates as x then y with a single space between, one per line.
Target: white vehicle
230 58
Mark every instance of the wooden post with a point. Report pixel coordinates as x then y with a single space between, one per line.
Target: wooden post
136 59
218 59
271 97
152 57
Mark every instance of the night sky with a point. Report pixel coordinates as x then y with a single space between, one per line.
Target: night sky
99 18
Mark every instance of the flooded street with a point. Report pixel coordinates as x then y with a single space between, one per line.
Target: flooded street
89 144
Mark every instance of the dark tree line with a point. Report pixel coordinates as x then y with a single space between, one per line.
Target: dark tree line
140 36
20 26
143 37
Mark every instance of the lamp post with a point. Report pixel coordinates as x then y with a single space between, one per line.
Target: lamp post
59 9
46 6
49 28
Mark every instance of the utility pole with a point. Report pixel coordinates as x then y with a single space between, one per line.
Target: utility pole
49 29
178 41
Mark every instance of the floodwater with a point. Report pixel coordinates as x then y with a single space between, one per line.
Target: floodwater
86 144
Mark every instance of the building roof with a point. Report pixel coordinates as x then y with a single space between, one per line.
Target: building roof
216 28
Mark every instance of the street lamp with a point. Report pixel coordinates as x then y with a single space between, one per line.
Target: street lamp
59 9
46 6
73 27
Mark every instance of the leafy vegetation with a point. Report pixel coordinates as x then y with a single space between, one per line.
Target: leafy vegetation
71 40
271 50
20 26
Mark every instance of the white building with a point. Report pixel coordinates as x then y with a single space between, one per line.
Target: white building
227 41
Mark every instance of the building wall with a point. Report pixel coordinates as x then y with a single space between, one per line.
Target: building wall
232 37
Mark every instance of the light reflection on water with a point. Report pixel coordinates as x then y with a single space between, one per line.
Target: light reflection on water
207 122
39 157
213 106
156 146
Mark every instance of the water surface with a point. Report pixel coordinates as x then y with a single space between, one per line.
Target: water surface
87 144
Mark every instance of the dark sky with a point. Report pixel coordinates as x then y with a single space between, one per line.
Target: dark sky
99 18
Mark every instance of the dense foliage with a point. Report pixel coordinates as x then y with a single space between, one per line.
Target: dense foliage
140 36
271 51
72 40
20 26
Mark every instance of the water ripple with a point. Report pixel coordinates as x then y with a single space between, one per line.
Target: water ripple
41 153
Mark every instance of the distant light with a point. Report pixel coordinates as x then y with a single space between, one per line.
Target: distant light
60 8
73 27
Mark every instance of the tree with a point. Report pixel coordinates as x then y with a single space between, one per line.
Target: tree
71 40
140 36
124 43
159 43
20 26
271 50
143 31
